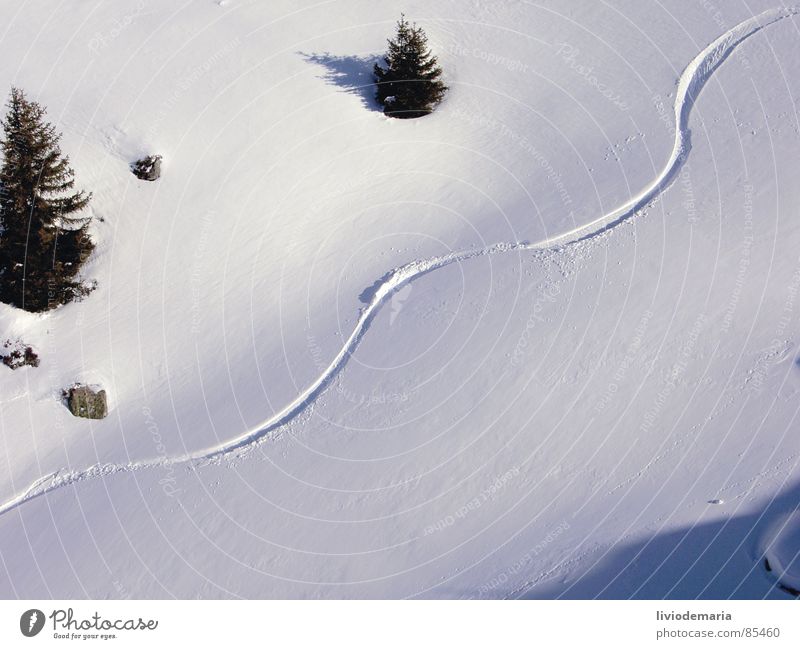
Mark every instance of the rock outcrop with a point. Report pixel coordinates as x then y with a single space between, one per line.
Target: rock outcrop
84 401
148 168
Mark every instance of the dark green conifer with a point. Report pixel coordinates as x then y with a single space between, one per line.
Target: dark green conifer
43 241
409 83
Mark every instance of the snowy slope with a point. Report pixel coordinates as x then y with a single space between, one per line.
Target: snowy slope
291 418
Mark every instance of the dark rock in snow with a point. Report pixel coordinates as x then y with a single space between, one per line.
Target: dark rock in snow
148 168
83 401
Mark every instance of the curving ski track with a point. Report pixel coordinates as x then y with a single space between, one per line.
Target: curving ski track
690 83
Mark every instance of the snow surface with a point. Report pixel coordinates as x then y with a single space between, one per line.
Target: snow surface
540 343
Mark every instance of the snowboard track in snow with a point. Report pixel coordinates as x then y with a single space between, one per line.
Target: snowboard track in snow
690 82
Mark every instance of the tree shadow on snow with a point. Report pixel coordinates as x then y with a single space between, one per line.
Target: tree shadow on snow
718 560
351 73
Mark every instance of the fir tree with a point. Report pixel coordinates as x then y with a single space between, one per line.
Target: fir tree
410 83
43 242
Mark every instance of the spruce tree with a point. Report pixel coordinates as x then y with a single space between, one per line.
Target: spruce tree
410 83
43 242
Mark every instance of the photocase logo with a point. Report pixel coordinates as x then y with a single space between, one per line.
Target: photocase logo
31 622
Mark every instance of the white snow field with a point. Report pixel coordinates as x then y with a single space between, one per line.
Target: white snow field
539 344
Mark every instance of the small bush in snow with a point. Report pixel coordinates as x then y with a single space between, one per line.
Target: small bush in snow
17 354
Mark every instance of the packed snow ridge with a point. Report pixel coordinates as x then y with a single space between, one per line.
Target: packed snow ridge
690 83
